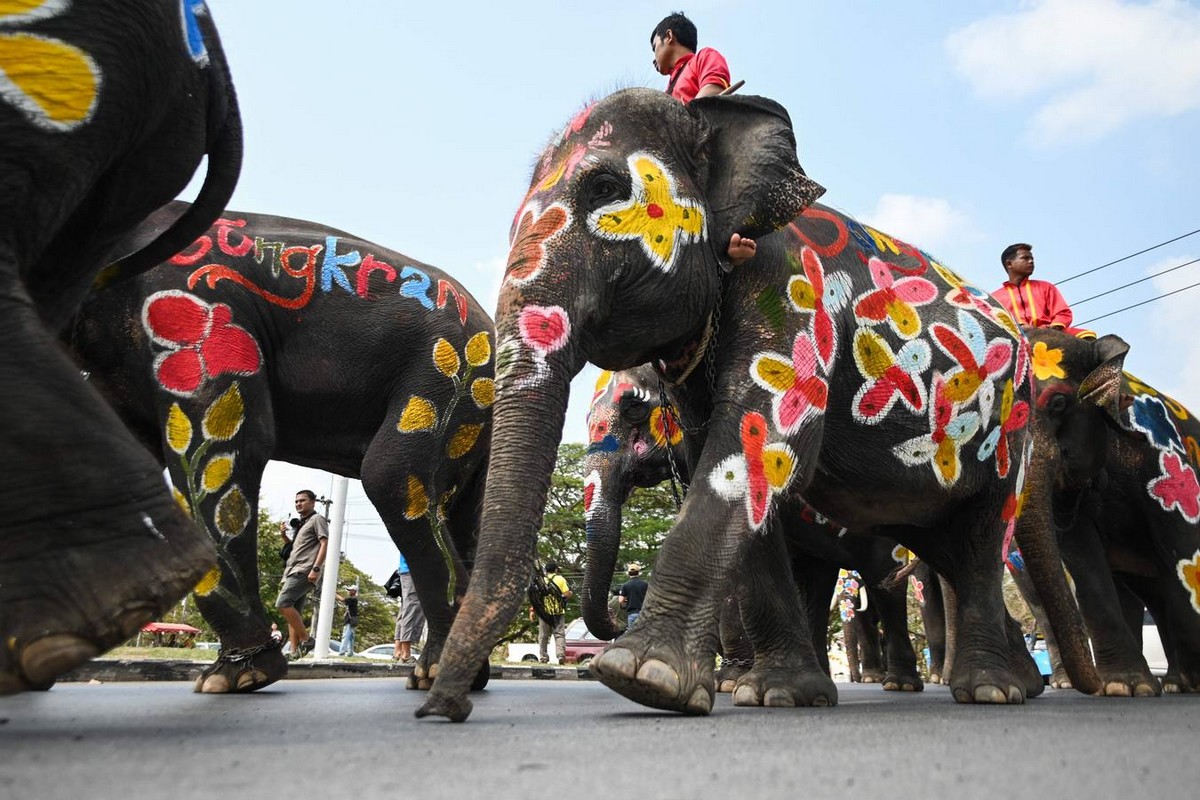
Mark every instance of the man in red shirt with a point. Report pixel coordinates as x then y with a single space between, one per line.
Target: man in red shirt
1037 304
694 74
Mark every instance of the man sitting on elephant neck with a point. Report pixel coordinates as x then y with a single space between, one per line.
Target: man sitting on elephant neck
1037 304
694 74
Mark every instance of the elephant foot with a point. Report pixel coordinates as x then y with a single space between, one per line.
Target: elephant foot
987 686
1130 684
69 591
455 709
243 670
422 677
649 676
1059 680
727 675
893 682
935 678
777 688
872 676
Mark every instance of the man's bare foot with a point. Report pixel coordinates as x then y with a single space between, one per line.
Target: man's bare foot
741 249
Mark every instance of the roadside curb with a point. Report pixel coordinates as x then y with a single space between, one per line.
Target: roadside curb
112 670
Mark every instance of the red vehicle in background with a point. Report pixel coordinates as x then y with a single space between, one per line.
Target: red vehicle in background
582 647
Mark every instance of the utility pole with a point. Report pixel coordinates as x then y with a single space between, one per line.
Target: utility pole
329 576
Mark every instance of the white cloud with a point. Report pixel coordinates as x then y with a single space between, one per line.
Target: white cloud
927 222
1093 65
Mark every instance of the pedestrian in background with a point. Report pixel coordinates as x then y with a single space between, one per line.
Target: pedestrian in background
633 594
410 620
350 623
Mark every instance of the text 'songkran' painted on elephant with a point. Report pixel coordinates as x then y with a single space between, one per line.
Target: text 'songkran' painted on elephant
654 215
317 265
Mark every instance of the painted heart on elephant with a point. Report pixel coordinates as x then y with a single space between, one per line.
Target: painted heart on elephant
767 402
107 108
1114 473
273 338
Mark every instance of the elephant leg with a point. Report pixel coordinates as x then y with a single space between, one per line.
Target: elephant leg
1118 654
870 643
933 618
1024 583
786 670
217 444
92 545
737 651
902 674
815 578
850 634
412 484
950 614
967 551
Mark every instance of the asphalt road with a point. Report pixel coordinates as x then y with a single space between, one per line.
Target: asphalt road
357 738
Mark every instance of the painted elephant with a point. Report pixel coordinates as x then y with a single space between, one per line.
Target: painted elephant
927 589
635 441
277 338
840 366
106 109
1115 473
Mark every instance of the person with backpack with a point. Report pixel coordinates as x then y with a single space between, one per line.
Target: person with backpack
555 603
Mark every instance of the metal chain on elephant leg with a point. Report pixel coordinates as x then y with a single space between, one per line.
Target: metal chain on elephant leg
736 662
232 655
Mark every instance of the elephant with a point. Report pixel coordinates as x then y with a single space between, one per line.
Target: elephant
271 337
635 441
1114 474
840 366
927 589
106 109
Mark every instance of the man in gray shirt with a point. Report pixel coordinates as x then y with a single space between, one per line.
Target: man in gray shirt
302 573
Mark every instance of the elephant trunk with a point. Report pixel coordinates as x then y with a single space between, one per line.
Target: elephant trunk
528 423
603 542
1036 535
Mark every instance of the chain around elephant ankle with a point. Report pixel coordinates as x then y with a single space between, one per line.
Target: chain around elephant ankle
246 653
736 662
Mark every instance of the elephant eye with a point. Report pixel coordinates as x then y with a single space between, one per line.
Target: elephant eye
604 188
1058 404
634 411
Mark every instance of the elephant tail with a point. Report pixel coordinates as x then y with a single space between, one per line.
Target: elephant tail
224 166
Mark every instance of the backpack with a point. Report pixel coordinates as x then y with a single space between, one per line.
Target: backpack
544 595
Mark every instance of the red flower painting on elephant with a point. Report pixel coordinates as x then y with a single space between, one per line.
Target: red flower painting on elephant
894 301
756 474
979 362
201 341
819 294
1177 487
1013 417
949 431
798 393
889 376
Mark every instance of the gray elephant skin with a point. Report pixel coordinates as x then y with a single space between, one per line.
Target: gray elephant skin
106 109
276 338
839 365
1114 474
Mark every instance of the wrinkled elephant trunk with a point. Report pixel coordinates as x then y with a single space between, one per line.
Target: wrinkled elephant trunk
1037 537
603 542
528 423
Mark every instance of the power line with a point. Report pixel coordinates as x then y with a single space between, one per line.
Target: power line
1135 305
1134 283
1126 258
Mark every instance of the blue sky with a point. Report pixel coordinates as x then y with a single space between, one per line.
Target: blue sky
959 127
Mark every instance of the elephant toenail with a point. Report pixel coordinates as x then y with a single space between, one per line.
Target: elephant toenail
778 698
216 684
1117 689
821 701
990 694
963 696
745 695
1015 695
51 656
1144 690
700 702
617 662
248 680
659 675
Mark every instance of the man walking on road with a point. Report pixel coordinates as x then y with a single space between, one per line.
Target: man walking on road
633 594
302 573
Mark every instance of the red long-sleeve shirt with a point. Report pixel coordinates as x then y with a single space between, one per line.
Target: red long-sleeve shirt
696 70
1038 304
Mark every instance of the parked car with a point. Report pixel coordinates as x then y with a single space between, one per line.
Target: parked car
383 652
208 645
1152 647
582 646
335 646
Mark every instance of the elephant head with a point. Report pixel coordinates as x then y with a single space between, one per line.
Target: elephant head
616 258
634 441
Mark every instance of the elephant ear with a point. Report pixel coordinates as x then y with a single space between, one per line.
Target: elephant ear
1102 386
755 184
